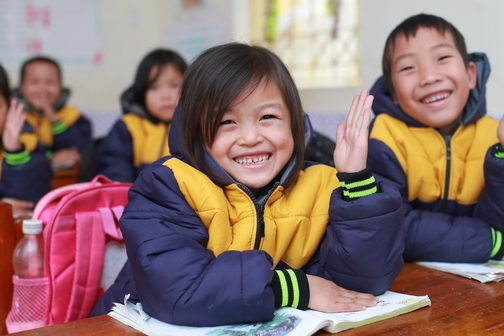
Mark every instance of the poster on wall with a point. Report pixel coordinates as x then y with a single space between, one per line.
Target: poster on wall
69 31
199 26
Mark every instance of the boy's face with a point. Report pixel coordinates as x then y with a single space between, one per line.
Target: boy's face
254 141
162 96
41 85
430 79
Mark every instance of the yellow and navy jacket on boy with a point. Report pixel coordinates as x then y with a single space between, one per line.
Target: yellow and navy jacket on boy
71 130
202 250
135 141
25 174
451 185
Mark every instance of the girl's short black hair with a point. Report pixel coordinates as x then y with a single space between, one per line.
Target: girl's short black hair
5 91
408 28
158 58
215 79
42 59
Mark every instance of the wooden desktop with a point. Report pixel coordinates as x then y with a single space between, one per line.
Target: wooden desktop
460 306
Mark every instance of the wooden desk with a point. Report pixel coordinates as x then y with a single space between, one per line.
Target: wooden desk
459 307
63 177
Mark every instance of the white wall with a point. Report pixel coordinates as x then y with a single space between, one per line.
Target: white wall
131 28
479 21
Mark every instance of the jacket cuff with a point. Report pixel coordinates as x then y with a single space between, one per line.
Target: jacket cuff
357 185
291 289
497 245
498 151
58 127
17 158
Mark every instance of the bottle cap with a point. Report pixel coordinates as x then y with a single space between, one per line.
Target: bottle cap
32 226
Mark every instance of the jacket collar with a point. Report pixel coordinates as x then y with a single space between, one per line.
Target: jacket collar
218 175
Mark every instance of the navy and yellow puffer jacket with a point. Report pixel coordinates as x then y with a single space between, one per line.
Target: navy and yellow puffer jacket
135 141
26 174
204 251
72 129
451 185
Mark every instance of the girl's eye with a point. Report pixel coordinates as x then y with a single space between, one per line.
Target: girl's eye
444 57
268 116
406 68
226 122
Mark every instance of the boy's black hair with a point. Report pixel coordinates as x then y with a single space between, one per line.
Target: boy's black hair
43 59
158 59
212 83
5 91
408 28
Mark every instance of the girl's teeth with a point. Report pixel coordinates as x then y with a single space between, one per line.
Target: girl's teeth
255 160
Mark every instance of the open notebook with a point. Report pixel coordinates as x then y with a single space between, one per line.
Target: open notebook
491 271
287 321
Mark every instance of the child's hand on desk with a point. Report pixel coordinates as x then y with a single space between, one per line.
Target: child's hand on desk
13 126
500 131
21 207
67 156
350 155
327 297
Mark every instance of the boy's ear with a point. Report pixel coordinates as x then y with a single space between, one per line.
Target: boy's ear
472 75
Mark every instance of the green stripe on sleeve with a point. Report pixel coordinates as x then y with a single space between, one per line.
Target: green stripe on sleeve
283 285
358 183
295 288
16 159
58 127
496 242
357 194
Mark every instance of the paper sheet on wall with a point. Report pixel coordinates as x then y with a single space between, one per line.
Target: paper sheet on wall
69 31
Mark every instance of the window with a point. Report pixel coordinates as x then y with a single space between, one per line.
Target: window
317 39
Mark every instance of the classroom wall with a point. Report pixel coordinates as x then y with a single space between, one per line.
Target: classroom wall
478 20
131 28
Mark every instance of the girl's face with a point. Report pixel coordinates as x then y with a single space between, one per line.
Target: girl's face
162 96
254 141
41 84
3 113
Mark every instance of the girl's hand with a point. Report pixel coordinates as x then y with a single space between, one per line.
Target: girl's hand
13 126
327 297
350 155
500 131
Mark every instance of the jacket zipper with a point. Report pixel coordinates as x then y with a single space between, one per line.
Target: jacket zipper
259 207
447 139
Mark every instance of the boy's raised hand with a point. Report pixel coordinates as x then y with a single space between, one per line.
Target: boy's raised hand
351 150
500 131
327 297
13 126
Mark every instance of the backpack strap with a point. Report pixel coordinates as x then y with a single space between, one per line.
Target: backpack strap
110 216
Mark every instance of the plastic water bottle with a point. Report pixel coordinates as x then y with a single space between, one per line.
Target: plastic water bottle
28 257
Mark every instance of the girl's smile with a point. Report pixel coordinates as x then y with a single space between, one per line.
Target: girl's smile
254 141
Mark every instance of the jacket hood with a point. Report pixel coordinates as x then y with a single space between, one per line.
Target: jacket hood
128 105
474 109
218 175
58 105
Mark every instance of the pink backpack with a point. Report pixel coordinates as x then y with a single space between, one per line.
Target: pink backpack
84 252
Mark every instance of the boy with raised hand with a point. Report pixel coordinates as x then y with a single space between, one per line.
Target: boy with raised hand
432 140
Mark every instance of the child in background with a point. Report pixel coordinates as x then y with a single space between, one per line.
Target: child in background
432 140
235 224
140 137
58 126
25 171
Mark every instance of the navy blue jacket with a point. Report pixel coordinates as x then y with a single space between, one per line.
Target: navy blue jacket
179 280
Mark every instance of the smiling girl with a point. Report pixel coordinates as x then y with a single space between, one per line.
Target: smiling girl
234 224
